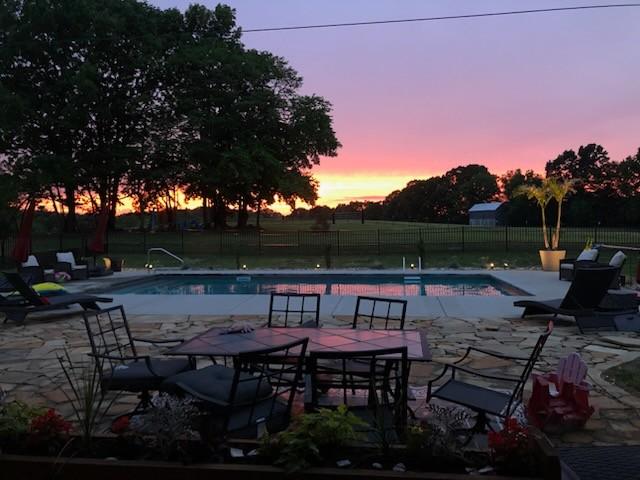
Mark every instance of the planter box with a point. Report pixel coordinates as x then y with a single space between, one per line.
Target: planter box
45 468
65 468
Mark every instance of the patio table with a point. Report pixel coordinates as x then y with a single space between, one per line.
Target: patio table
216 342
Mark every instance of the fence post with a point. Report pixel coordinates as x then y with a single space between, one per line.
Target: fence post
182 241
259 242
144 240
337 242
378 240
506 238
595 232
462 239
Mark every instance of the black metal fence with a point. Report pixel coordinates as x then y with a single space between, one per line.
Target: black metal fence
445 238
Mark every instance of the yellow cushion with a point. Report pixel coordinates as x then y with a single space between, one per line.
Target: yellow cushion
49 288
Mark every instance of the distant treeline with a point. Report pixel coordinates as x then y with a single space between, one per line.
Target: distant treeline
608 193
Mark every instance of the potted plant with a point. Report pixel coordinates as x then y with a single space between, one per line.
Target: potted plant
551 189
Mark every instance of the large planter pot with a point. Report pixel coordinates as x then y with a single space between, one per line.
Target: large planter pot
551 259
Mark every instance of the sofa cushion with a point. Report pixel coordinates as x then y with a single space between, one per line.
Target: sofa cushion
32 261
66 257
590 254
617 260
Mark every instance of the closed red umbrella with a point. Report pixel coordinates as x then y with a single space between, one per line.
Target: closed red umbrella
22 247
97 245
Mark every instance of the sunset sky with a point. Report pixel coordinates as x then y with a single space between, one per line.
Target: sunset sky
413 100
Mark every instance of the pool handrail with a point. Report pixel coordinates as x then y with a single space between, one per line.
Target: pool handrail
149 265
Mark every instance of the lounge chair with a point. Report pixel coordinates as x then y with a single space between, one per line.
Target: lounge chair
585 293
31 302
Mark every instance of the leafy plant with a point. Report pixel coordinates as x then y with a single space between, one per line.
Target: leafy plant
439 435
551 188
87 398
15 419
170 421
312 437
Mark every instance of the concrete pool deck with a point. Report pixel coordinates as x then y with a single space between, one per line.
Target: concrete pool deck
542 285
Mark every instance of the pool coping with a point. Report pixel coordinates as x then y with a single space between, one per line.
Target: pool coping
540 284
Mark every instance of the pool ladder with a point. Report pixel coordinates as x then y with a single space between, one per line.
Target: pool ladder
149 265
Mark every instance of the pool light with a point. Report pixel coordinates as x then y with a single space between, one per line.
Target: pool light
506 266
492 266
412 266
244 267
317 266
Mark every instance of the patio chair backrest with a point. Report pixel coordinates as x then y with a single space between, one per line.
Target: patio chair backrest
281 367
110 337
296 308
382 313
571 369
376 379
28 293
528 368
588 288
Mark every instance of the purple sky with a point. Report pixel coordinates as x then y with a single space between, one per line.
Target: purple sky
412 100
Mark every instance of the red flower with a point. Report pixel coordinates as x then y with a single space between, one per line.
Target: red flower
121 425
49 425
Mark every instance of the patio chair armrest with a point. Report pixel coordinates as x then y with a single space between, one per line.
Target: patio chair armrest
433 380
489 352
154 341
137 358
483 375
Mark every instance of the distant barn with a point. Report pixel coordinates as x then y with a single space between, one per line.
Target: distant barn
490 214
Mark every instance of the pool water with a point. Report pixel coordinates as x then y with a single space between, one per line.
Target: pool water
326 284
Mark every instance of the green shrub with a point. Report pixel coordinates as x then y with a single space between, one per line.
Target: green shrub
312 438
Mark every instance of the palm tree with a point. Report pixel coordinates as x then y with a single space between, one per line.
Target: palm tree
542 196
558 190
551 188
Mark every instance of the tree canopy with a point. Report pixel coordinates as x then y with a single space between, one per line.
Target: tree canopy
107 98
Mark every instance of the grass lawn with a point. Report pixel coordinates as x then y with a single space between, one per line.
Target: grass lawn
626 376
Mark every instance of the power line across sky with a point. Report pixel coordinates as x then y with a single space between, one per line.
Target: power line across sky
441 18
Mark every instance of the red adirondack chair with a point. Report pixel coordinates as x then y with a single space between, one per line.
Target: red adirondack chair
560 400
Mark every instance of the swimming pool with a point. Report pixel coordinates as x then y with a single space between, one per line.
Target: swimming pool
325 284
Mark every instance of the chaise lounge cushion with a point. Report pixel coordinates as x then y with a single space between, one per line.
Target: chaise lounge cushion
213 384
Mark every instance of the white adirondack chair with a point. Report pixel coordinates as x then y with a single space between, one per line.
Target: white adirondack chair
571 369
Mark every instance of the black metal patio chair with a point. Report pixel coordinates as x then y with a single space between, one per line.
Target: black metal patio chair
258 391
483 400
119 364
294 309
377 394
383 313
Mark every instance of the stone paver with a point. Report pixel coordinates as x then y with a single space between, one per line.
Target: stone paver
29 369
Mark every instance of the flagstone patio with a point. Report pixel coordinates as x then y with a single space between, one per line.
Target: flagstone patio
29 369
